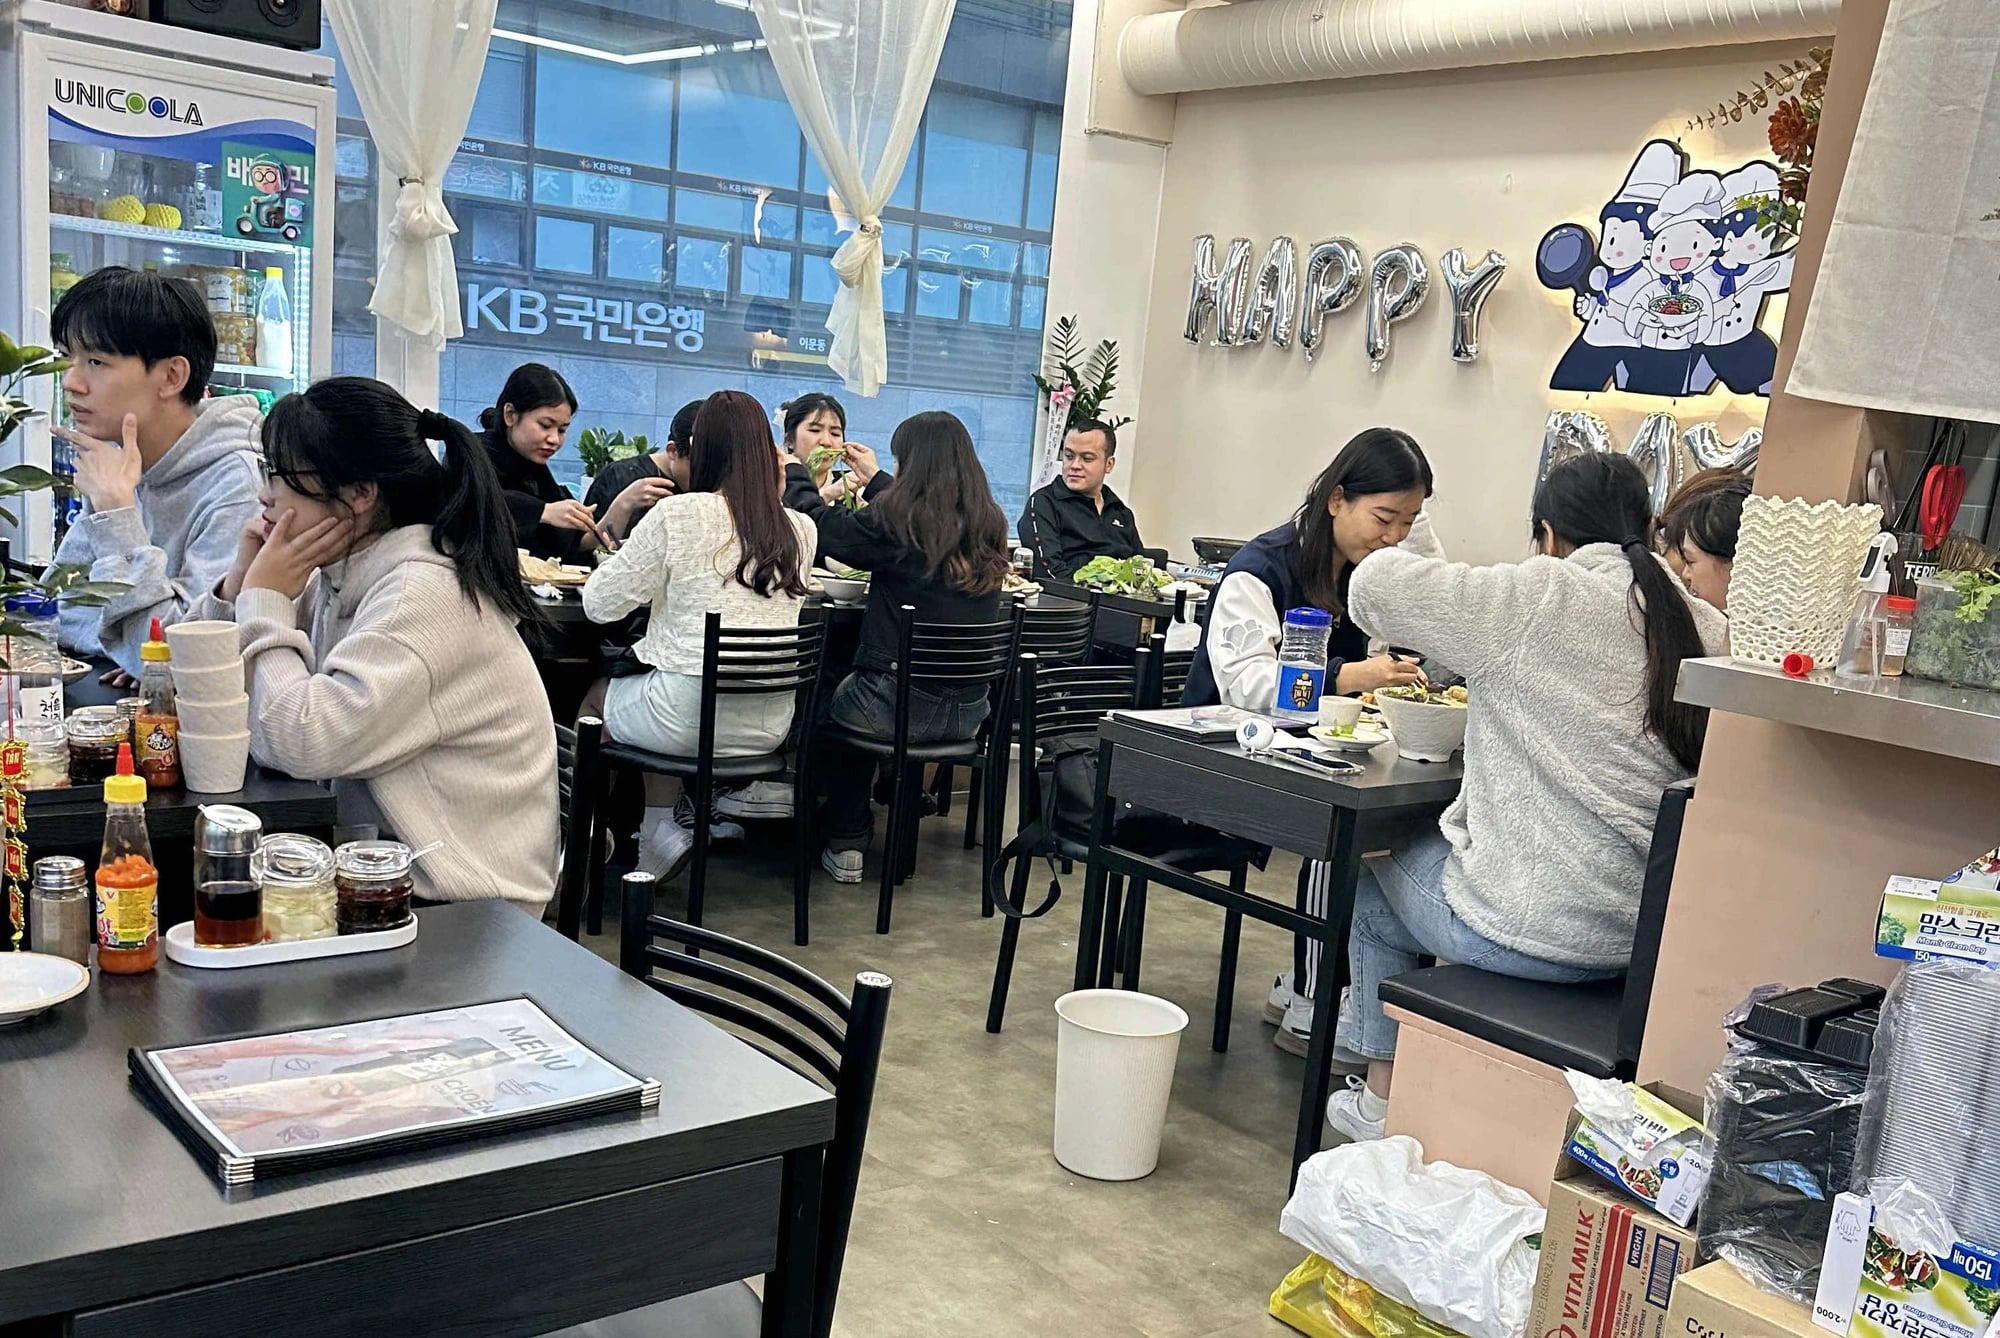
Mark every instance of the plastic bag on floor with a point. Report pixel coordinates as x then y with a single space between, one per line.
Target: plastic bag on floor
1321 1301
1450 1243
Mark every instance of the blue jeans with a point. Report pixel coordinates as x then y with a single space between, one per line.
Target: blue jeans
1399 914
865 702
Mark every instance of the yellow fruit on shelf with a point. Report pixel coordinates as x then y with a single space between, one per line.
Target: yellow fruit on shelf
162 216
124 209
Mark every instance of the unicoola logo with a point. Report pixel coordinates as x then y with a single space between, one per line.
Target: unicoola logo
126 102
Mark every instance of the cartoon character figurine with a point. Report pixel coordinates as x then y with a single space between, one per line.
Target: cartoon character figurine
1597 358
1743 274
271 208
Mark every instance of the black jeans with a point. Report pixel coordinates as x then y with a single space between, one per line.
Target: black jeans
865 702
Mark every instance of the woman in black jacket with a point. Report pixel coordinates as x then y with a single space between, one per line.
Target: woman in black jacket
930 537
524 430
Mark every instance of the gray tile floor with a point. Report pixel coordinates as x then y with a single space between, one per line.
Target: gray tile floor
965 1223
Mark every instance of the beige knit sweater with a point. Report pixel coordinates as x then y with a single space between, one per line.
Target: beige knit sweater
427 702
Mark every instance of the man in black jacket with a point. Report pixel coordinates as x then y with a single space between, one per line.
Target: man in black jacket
1075 517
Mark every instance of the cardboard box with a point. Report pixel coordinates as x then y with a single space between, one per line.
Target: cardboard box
1608 1264
1956 919
1717 1301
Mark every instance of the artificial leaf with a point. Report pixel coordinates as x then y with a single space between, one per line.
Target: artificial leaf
24 478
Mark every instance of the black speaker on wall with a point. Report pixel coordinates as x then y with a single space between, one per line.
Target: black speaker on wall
293 23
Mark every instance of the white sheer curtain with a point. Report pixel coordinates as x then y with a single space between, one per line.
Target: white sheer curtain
415 66
857 73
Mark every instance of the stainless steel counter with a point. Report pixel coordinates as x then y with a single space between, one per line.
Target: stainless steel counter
1906 712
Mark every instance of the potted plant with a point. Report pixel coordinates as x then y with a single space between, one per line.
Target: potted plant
1090 380
72 585
599 447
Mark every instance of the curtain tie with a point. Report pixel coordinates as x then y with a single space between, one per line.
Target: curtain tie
420 211
871 226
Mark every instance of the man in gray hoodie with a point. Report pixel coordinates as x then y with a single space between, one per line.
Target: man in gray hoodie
169 480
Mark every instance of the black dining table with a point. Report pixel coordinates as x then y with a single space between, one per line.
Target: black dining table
110 1226
1279 804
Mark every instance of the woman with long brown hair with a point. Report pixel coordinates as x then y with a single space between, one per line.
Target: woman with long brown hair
931 537
727 545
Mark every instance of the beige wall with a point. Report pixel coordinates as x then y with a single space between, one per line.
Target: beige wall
1475 159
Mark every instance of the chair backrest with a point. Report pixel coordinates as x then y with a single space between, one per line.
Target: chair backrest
1174 667
954 654
565 771
1062 702
758 661
1059 632
793 1016
1653 894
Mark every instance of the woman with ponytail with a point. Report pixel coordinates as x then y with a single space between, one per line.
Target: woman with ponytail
378 596
1570 658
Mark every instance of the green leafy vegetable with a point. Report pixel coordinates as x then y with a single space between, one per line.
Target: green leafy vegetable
1976 592
1123 576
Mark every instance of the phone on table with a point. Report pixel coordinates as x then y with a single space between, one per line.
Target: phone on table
1311 761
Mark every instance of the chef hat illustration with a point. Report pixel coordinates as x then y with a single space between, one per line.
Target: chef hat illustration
1696 197
1657 167
1746 181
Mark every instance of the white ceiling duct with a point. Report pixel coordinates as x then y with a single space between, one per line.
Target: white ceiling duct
1287 41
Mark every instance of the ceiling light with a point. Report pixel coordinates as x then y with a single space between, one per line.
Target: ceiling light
624 58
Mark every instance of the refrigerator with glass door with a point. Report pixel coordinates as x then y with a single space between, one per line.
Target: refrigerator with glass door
203 157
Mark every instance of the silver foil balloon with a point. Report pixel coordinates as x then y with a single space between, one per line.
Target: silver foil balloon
1333 281
1469 290
1398 283
1274 296
1568 434
1656 449
1225 292
1710 451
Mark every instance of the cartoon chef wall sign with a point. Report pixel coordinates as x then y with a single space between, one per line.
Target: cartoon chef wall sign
1672 288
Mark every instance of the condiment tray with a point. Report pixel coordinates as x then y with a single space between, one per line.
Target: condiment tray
181 947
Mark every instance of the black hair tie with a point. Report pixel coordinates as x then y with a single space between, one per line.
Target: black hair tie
432 425
1634 541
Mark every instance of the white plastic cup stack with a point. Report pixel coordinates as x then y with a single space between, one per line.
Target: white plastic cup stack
214 707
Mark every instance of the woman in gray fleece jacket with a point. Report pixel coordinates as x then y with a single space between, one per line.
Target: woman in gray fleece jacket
1571 659
378 598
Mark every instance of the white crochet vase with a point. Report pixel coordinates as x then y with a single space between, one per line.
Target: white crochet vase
1793 581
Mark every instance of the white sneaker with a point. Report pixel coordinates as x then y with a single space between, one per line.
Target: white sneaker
664 849
719 829
844 865
758 799
1343 1112
1294 1035
1280 1000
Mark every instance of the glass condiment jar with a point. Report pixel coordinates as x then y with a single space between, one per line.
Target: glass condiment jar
372 886
59 912
296 873
228 903
94 733
1899 619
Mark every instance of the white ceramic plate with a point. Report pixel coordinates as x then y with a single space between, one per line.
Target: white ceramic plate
33 981
1367 735
74 669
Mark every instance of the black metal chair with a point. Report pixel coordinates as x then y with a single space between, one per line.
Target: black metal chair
1595 1027
940 655
736 662
1067 703
1174 667
1057 633
806 1024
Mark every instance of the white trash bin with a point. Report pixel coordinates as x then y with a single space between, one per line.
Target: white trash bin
1115 1054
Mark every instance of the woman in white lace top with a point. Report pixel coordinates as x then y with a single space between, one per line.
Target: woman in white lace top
726 545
